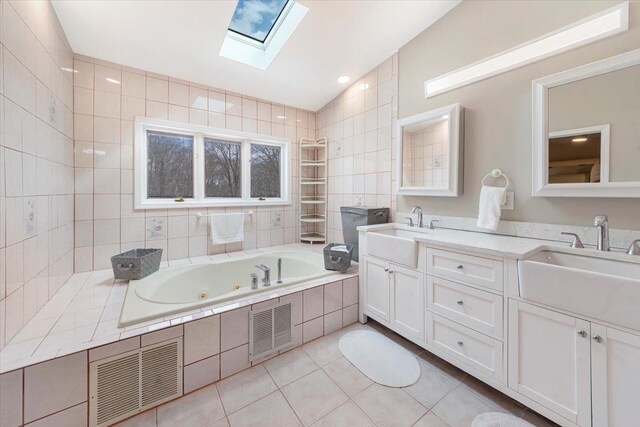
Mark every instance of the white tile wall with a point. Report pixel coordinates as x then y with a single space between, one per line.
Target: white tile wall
360 125
36 160
104 127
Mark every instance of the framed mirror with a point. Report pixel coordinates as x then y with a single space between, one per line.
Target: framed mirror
430 153
586 130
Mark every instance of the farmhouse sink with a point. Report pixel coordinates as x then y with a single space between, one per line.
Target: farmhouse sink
600 288
395 245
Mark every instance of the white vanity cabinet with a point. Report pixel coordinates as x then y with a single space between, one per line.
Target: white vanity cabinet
574 367
615 377
549 360
394 296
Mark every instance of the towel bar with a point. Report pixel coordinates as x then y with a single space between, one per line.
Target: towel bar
202 215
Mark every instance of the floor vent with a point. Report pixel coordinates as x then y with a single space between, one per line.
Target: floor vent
129 383
269 330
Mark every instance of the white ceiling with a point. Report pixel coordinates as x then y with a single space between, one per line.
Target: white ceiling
182 39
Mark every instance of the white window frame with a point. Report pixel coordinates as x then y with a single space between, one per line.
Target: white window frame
199 133
260 55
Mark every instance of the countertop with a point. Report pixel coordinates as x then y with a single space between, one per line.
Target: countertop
496 245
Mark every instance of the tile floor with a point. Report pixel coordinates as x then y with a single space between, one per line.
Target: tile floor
315 385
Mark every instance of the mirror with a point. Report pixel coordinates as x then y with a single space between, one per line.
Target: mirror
587 130
430 153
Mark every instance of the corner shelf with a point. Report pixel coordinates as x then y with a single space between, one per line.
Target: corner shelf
313 190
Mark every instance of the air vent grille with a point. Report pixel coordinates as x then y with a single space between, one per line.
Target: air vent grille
159 373
269 330
128 383
118 388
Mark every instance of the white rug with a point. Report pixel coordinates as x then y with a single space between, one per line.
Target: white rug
498 419
380 359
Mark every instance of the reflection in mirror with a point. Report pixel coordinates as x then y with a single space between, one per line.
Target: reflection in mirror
425 153
575 156
580 114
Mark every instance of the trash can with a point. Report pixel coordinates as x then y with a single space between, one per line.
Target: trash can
356 216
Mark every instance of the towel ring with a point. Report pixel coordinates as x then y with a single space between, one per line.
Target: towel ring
496 173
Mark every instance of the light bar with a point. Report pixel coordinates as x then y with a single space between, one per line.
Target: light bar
604 24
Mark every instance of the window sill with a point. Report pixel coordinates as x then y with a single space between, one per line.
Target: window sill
197 204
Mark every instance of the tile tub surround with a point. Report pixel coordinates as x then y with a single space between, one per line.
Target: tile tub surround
105 221
36 161
85 313
271 394
216 346
360 125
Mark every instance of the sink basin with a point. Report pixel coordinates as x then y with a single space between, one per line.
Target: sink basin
395 245
600 288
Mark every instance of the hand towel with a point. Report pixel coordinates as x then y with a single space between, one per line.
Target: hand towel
491 198
226 228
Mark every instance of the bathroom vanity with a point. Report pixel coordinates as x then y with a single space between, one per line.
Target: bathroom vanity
555 328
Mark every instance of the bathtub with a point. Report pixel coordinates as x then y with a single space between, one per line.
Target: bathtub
186 288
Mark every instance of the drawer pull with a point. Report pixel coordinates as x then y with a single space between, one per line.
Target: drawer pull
582 333
597 338
386 270
390 271
460 267
460 302
460 343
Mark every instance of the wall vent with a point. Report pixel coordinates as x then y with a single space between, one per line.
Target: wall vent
128 383
269 330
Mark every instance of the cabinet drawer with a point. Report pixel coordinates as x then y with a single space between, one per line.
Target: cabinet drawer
472 269
479 351
477 309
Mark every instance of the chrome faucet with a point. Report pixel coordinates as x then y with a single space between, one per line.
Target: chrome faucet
418 210
634 248
279 270
602 224
266 280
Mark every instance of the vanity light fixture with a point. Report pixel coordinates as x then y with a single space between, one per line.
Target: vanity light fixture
582 139
343 79
596 27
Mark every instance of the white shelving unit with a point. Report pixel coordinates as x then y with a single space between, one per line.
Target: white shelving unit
313 190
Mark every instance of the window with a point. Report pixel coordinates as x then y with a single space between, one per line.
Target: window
259 29
255 18
179 165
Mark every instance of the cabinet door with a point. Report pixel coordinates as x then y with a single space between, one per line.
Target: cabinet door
615 364
377 289
408 301
549 360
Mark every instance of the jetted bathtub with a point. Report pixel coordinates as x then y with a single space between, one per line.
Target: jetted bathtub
185 288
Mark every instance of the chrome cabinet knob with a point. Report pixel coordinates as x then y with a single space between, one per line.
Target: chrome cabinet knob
390 271
582 333
460 343
597 338
460 267
386 270
460 302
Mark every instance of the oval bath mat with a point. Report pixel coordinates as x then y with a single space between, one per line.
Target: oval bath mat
499 419
380 359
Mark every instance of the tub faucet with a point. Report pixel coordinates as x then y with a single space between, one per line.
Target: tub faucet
602 224
279 270
266 280
418 210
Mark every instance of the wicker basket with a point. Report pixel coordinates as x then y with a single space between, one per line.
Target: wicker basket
136 263
337 257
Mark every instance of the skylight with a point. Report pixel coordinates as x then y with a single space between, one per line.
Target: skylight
256 18
259 29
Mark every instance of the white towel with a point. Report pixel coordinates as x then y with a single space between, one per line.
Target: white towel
491 198
226 228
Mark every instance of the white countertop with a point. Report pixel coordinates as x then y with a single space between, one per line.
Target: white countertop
496 244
